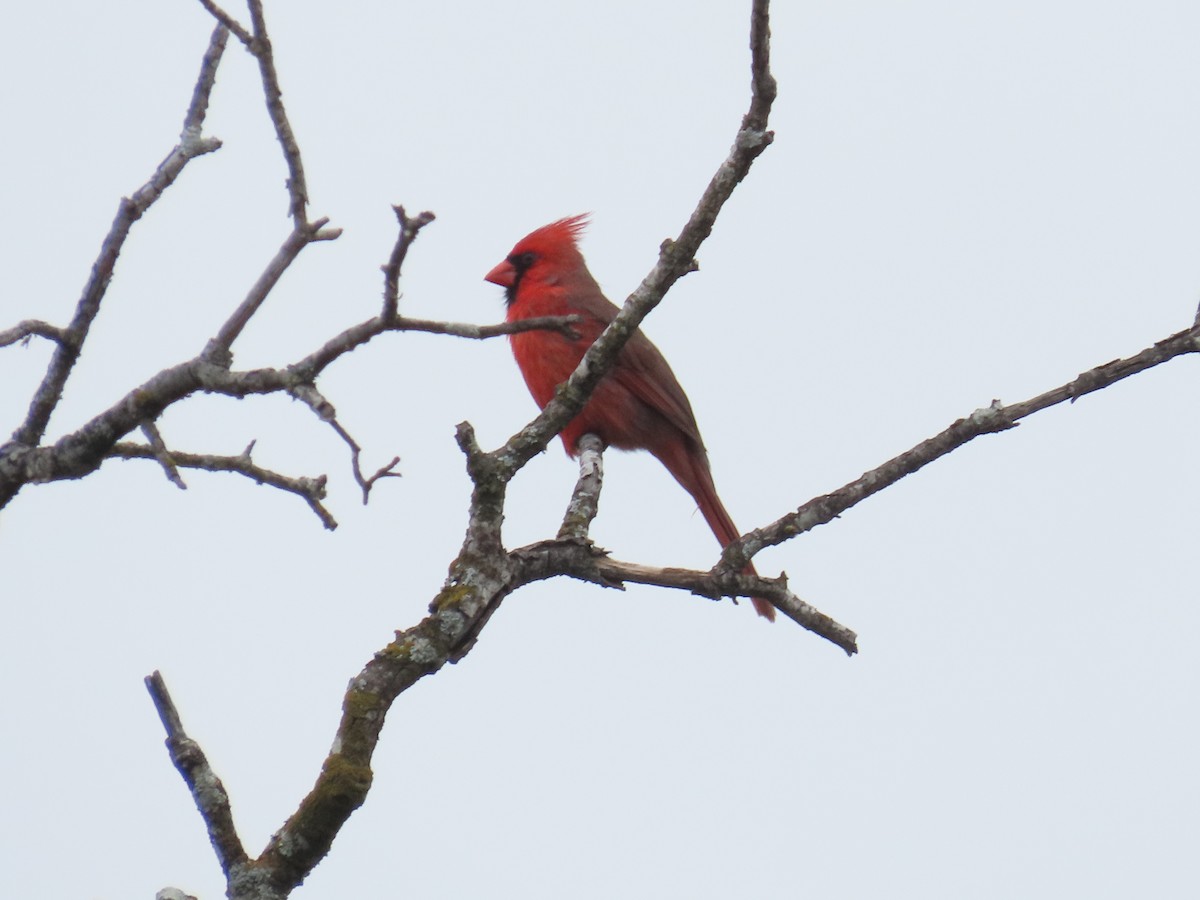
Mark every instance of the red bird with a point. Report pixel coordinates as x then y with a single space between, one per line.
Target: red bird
639 405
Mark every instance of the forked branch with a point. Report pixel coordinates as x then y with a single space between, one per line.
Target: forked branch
483 573
25 459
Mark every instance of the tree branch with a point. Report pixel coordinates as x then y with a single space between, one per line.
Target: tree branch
365 483
129 210
312 490
207 790
585 562
585 499
159 448
303 232
229 22
193 119
357 335
81 452
23 331
22 461
409 229
297 185
218 349
987 420
309 395
572 554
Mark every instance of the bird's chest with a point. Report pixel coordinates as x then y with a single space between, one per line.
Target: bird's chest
546 360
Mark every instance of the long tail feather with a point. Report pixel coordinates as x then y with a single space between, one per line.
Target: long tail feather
690 468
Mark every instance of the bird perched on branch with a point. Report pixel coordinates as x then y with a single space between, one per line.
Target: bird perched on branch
639 404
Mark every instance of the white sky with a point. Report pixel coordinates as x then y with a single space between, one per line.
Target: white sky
965 201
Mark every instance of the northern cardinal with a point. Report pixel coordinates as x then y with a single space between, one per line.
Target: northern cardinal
638 405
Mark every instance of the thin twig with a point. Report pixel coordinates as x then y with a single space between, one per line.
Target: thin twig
218 348
23 331
312 490
239 31
296 184
365 483
193 119
312 398
562 324
409 229
357 335
162 454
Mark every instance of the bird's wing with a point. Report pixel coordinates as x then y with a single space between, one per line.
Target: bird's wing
642 369
648 377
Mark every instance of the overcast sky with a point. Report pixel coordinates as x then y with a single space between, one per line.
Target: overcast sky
964 202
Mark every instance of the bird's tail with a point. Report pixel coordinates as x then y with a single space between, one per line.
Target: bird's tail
690 467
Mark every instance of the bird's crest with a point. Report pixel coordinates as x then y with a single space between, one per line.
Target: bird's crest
556 234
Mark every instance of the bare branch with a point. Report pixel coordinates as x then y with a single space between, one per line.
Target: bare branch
478 583
713 584
130 209
193 120
586 562
409 229
365 483
357 335
561 324
23 331
585 499
988 420
162 454
345 778
296 184
315 400
82 451
307 393
239 31
207 790
763 88
218 349
312 490
303 232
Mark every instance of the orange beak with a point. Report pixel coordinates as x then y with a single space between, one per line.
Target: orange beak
504 274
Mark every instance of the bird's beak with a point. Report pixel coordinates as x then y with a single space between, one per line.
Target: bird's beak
505 274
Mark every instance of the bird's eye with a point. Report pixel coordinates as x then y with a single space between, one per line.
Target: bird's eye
522 261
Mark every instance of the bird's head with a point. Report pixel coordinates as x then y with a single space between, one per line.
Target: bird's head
545 257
